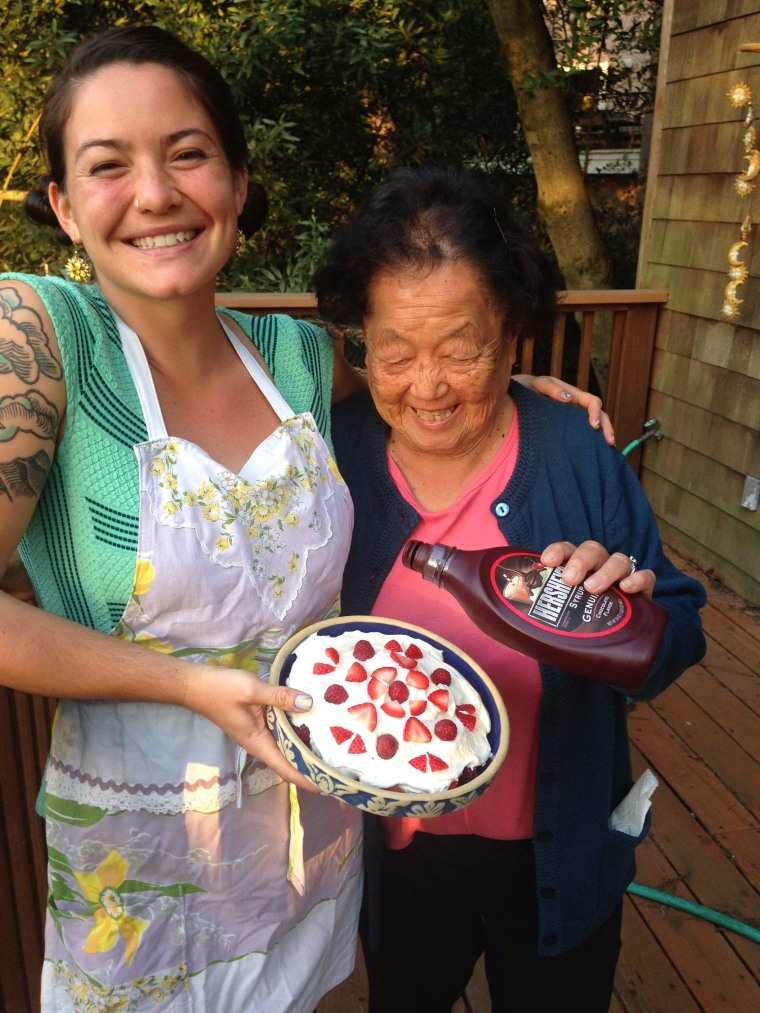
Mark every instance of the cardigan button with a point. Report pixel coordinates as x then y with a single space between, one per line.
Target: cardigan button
501 509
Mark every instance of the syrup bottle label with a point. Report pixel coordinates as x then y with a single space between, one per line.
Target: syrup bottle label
536 593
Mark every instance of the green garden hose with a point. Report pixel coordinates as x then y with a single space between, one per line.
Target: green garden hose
696 909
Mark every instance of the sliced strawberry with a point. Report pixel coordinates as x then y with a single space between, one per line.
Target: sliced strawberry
376 689
467 719
322 668
336 694
398 691
386 674
340 734
392 709
441 677
332 654
468 708
393 645
413 651
363 650
445 729
415 731
440 697
356 673
357 746
402 661
419 762
417 707
418 680
387 745
365 714
436 763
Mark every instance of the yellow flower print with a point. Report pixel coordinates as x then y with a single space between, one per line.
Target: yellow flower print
263 511
223 543
277 588
293 563
334 470
246 659
172 447
144 574
191 499
170 482
170 509
291 519
158 467
206 490
211 511
101 890
144 640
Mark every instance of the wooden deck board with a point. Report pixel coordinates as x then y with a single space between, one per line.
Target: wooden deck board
701 738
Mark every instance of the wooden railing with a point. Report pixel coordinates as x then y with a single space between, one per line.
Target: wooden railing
25 721
629 316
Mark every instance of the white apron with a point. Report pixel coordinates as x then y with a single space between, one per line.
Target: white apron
168 846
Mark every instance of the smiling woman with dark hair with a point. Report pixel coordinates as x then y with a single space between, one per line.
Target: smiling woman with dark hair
443 280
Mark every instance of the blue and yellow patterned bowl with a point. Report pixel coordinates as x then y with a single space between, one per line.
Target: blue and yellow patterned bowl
383 801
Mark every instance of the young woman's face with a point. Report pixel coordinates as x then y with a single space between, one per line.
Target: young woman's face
149 192
438 362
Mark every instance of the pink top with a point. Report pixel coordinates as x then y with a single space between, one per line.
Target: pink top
505 810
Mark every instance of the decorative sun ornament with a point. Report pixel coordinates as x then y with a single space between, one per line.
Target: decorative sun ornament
741 95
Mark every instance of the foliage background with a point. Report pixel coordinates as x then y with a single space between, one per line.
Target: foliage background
332 92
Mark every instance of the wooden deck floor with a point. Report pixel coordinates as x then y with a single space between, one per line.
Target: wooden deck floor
702 740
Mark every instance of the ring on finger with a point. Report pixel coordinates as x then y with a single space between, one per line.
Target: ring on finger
634 564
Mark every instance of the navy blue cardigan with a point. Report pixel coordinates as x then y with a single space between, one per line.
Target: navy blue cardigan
567 485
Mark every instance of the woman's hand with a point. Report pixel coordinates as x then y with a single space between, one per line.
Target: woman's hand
236 701
593 566
551 387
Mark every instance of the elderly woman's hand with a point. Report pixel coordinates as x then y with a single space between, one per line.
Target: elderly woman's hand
593 566
236 701
551 387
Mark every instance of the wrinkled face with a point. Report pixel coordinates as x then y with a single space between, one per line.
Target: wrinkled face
138 134
438 361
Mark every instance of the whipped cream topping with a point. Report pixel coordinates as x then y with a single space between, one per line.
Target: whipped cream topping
388 711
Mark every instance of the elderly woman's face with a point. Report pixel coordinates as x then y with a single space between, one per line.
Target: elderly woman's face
438 362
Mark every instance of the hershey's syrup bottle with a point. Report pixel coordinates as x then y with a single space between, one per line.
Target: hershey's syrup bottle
515 599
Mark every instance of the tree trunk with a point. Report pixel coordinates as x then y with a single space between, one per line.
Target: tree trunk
563 201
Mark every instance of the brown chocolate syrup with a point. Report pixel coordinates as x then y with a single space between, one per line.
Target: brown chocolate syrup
515 599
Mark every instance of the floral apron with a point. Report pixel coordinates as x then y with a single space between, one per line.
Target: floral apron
168 847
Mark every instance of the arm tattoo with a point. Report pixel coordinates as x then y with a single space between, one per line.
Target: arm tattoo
24 345
28 413
25 476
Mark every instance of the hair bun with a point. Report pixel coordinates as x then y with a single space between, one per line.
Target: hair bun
37 209
255 211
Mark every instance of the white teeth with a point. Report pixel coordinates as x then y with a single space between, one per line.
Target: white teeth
434 416
170 239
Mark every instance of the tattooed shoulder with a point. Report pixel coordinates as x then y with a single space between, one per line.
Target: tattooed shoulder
25 345
24 476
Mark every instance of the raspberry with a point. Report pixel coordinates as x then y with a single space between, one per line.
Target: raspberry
336 694
467 775
303 733
413 651
445 729
386 746
441 677
398 691
332 654
322 668
363 650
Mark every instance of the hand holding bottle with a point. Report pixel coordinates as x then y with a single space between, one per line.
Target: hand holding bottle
592 565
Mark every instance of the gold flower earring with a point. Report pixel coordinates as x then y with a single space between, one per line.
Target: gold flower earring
241 243
78 269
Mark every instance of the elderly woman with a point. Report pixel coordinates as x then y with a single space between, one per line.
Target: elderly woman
443 281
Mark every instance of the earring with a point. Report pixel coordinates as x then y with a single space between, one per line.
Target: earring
78 269
241 244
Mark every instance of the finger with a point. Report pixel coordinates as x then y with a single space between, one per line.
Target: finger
582 560
263 746
640 582
557 553
615 568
